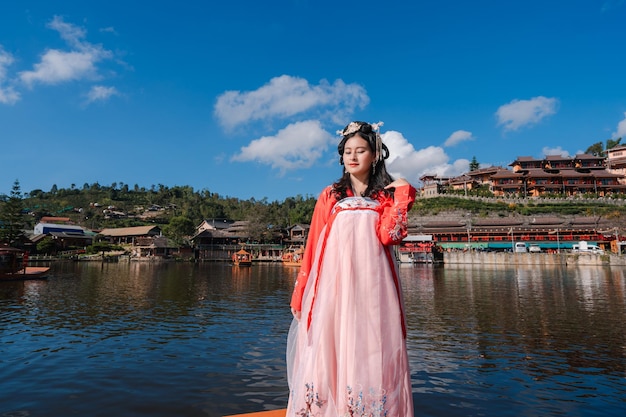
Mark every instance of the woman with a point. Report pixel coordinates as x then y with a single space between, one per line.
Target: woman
346 352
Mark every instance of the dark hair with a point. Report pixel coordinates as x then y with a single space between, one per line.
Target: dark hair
379 177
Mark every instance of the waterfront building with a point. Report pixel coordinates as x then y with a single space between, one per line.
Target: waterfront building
550 233
129 235
65 236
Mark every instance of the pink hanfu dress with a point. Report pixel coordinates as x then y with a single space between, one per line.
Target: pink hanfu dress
347 354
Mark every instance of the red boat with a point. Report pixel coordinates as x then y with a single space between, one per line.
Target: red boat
13 266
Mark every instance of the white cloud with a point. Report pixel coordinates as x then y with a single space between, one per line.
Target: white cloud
101 93
410 163
458 137
109 29
621 129
610 5
301 144
286 96
297 146
72 34
555 151
519 113
58 66
7 94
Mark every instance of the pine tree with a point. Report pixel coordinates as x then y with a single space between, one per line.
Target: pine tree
474 165
11 217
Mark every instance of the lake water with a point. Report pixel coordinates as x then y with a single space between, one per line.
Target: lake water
138 339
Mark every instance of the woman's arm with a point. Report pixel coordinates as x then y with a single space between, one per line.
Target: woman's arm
393 219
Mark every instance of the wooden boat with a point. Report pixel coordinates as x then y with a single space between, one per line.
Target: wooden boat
242 258
13 266
272 413
293 256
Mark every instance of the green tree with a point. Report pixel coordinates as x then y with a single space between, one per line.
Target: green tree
11 217
474 165
598 148
595 149
46 246
611 143
179 228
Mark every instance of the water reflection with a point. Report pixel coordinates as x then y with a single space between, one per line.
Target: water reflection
549 341
141 339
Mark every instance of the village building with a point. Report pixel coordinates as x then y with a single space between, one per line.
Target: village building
145 247
482 176
551 233
461 183
616 162
582 174
56 220
145 242
47 228
297 234
433 185
129 235
536 177
212 241
66 236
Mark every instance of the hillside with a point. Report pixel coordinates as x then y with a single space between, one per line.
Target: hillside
182 208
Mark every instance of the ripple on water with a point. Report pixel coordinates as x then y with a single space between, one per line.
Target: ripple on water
209 340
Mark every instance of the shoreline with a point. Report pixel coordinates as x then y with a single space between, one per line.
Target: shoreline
532 259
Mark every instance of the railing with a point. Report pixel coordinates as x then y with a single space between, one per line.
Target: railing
534 200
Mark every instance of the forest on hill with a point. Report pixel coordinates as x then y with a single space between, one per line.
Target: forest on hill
179 210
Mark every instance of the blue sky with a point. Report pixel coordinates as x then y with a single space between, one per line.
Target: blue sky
244 97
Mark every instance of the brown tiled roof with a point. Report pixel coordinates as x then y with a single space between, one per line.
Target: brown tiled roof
573 173
50 219
556 158
213 233
460 180
540 173
546 220
584 220
505 173
131 231
483 171
606 174
506 221
162 242
587 156
436 224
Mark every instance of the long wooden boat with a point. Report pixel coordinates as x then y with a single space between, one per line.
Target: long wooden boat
272 413
242 258
30 272
13 266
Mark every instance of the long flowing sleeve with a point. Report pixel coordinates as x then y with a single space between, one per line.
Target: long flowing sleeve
393 218
321 213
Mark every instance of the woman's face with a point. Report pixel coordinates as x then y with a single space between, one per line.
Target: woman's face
358 157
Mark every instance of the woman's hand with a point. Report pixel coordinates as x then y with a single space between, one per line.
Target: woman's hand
397 183
296 314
